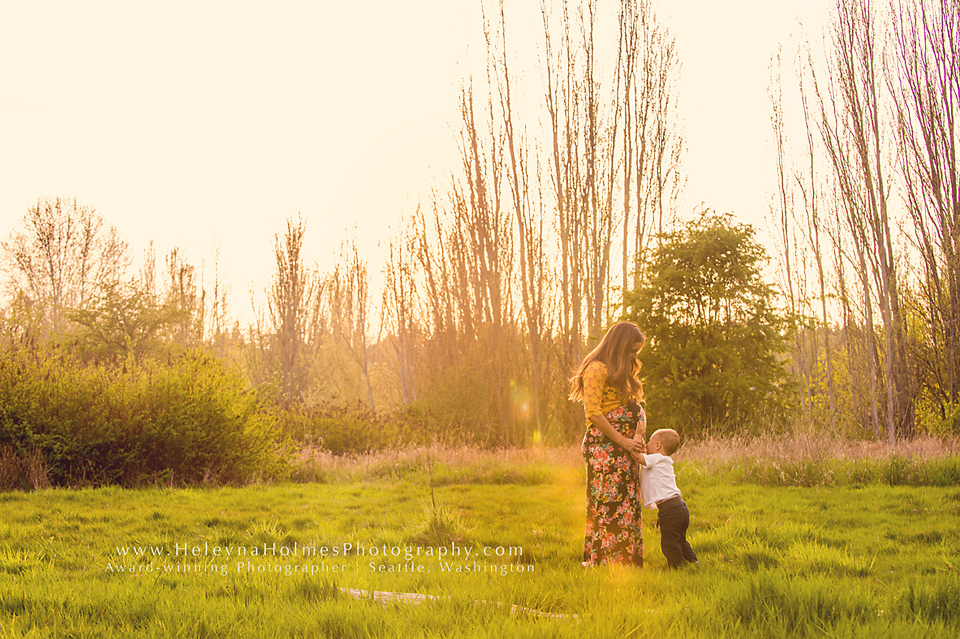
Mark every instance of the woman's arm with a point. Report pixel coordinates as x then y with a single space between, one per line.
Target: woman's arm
594 380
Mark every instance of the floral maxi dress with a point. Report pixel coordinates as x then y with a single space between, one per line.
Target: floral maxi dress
614 528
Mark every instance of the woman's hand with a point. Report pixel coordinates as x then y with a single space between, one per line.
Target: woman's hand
639 448
632 446
607 429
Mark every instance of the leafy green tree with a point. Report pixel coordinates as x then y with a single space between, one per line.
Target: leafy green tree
119 323
712 363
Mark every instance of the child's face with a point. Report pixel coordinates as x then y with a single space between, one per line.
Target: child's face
654 445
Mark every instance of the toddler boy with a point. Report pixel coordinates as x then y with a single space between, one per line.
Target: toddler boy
658 484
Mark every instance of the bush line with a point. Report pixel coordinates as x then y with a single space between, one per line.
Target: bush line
191 420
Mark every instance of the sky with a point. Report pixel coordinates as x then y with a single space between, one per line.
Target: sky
206 125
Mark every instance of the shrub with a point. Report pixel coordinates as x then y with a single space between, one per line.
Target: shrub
183 421
342 429
939 421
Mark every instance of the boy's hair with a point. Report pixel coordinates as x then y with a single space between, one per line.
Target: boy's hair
669 438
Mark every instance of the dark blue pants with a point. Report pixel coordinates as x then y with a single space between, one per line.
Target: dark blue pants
673 519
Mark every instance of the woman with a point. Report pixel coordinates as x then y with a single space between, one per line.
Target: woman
607 384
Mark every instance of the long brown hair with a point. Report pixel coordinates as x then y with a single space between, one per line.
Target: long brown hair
614 351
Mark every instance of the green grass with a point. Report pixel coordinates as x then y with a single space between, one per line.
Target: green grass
857 560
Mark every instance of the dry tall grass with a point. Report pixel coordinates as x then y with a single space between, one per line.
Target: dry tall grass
805 460
29 470
795 459
447 464
802 448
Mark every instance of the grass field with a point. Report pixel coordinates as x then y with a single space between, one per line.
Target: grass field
823 552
